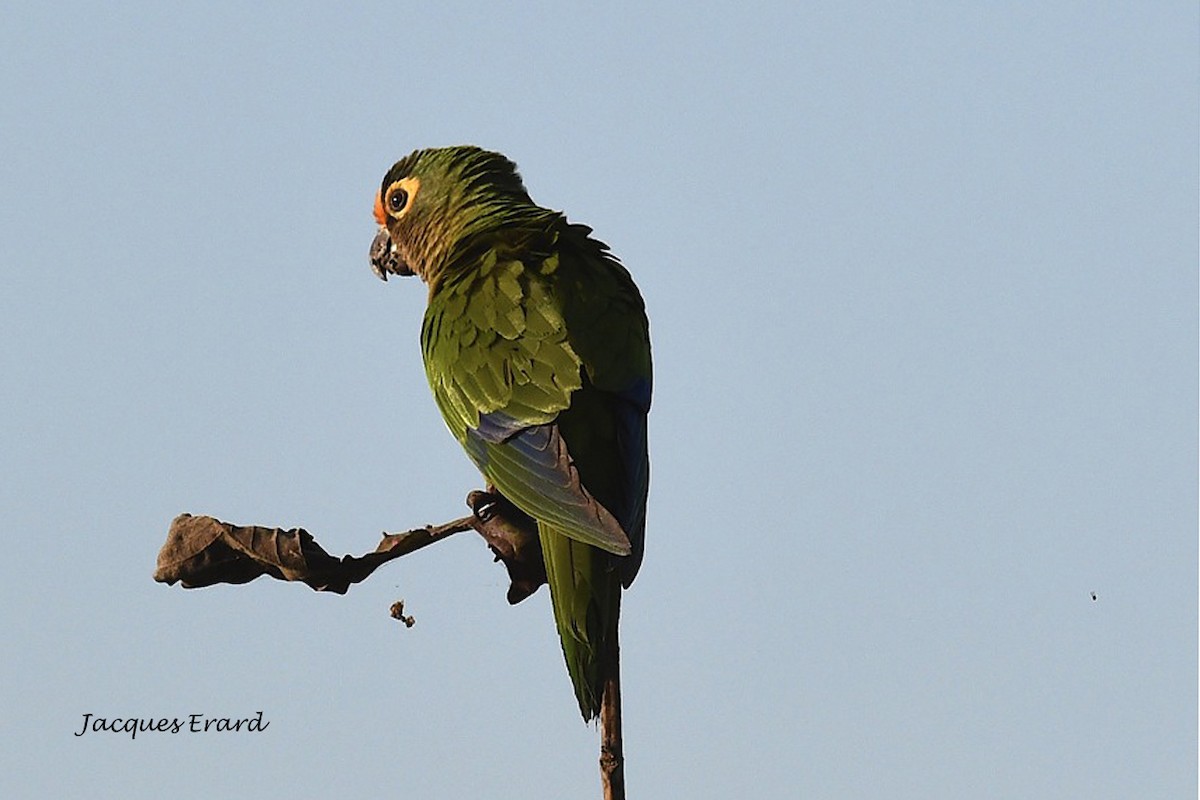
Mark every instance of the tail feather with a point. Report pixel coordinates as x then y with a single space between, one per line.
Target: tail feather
585 590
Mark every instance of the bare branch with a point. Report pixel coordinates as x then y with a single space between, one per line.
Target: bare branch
612 751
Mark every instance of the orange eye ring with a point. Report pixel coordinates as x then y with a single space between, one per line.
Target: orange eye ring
396 200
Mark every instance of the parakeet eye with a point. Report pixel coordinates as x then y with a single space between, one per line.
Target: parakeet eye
398 198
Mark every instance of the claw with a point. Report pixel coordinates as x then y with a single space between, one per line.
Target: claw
483 505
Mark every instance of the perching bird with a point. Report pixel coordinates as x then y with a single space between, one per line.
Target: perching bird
537 348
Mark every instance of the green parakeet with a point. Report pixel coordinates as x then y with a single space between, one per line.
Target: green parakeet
537 348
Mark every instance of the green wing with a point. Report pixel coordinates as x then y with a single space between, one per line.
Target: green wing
506 346
539 359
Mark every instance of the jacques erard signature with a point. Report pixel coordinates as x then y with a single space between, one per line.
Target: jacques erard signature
192 723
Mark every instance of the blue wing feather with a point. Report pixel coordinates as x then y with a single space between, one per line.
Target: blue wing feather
532 467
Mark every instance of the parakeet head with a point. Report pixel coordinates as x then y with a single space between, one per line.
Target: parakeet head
433 202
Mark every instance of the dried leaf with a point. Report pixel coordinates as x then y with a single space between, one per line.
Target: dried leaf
204 551
397 612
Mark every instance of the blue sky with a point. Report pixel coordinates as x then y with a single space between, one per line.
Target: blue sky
923 288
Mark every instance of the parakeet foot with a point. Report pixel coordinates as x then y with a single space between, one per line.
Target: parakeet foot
485 505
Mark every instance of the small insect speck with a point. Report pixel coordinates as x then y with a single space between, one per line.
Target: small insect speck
1093 596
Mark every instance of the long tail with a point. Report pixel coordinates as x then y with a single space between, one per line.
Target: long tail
585 590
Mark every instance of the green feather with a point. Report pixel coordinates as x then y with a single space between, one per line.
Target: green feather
536 347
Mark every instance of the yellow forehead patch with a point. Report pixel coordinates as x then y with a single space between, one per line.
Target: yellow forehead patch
380 217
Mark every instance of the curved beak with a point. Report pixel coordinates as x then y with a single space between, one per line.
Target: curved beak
384 258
